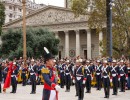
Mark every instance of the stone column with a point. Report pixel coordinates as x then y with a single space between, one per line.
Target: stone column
56 34
66 43
57 37
100 40
77 43
89 44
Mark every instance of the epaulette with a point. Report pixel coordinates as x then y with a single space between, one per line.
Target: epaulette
45 71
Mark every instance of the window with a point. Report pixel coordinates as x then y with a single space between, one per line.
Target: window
10 7
10 15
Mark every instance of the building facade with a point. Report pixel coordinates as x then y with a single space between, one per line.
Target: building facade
76 39
13 8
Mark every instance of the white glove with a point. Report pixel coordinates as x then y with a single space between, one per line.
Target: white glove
118 79
36 78
91 78
73 81
71 77
57 87
16 78
84 81
110 80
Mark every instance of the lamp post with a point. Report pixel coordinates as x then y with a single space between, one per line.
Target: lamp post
110 29
110 20
24 31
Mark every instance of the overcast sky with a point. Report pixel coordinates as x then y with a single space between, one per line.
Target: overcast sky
51 2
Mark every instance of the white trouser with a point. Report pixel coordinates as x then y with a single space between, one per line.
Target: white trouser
52 95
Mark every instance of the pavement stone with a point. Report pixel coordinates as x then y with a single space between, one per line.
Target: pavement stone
23 93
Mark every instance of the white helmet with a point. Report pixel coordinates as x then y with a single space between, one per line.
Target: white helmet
80 60
114 61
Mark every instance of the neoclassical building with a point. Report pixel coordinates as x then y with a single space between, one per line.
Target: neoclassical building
76 39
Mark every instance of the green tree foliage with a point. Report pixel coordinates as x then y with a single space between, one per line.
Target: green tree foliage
2 16
37 39
96 11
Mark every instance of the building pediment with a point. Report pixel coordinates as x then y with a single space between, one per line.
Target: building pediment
48 16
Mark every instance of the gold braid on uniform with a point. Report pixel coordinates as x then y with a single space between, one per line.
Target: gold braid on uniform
45 71
83 70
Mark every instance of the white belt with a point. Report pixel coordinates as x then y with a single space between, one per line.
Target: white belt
105 76
61 71
88 74
78 78
122 74
67 73
13 75
79 75
98 73
31 73
113 75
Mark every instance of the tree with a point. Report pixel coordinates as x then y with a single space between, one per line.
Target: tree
37 39
2 16
97 18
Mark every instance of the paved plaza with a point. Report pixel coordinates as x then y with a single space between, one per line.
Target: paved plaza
23 93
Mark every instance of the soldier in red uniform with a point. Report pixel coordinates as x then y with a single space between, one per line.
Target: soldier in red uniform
50 90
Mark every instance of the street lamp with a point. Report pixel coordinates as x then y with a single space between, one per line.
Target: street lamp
111 4
24 31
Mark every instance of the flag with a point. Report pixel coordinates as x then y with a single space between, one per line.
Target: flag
8 78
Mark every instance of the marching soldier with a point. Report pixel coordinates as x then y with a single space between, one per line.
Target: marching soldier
50 90
89 76
106 79
123 75
33 76
14 77
98 70
80 80
114 77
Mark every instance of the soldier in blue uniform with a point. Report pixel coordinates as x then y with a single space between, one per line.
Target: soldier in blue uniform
106 78
98 72
61 73
80 79
33 76
67 76
76 66
0 75
24 78
114 76
5 70
123 75
14 77
128 82
50 90
89 76
40 66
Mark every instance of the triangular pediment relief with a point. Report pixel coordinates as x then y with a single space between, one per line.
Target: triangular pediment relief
47 16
